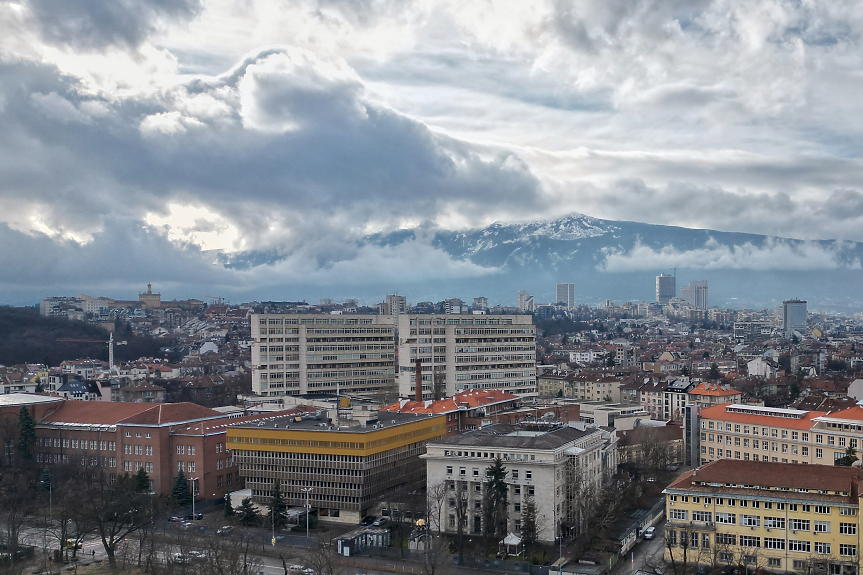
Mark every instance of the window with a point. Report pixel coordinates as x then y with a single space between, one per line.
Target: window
728 518
800 525
726 539
804 450
848 528
149 450
702 516
137 434
218 481
819 453
449 469
139 450
147 435
847 511
528 474
127 449
774 562
724 556
822 548
679 514
516 489
823 509
705 540
517 507
149 467
181 450
181 466
693 539
462 471
819 438
750 541
774 543
848 550
671 536
802 546
774 522
822 527
112 446
191 450
530 490
750 520
515 473
192 466
128 434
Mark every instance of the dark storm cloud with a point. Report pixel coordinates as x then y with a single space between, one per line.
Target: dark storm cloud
97 24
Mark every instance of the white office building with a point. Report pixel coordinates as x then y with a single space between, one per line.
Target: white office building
566 295
296 354
461 352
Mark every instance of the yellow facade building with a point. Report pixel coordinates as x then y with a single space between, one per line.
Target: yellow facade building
348 465
763 515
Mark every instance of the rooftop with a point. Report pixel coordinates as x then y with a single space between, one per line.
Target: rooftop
19 399
323 423
514 436
755 415
461 401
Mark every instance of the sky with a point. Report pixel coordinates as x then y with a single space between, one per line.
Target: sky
149 140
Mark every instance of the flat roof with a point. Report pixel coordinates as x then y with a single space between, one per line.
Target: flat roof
323 423
504 435
16 399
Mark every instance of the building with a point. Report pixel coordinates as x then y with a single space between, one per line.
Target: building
540 464
752 331
666 288
606 414
480 304
150 300
675 397
794 316
297 354
346 466
459 352
695 294
565 295
773 516
393 305
463 411
709 394
525 302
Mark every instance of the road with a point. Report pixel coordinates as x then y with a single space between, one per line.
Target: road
645 555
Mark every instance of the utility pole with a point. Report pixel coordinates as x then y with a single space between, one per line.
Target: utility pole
307 490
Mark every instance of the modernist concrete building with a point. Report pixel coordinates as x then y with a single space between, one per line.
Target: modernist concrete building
565 294
550 466
794 316
459 353
666 288
773 516
297 354
346 466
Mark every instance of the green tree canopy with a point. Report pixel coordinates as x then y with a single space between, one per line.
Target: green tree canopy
276 514
26 434
247 513
180 491
142 481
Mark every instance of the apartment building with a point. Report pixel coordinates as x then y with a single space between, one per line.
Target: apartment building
734 431
459 353
762 515
346 466
709 394
298 354
540 464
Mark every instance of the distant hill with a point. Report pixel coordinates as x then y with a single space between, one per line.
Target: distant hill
27 337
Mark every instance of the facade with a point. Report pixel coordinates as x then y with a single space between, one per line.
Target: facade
540 464
774 516
675 397
733 431
458 353
695 294
525 302
666 288
565 294
753 331
297 354
150 300
463 411
347 469
709 394
794 316
480 304
394 305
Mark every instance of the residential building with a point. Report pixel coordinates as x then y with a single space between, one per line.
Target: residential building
346 466
794 316
666 288
565 294
540 464
458 353
709 394
393 305
525 302
480 304
675 397
651 447
752 331
297 354
765 516
695 294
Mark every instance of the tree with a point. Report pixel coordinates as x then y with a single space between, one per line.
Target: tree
460 502
26 434
495 500
276 514
18 501
529 532
849 457
609 361
714 371
247 513
684 371
142 481
229 507
180 491
116 510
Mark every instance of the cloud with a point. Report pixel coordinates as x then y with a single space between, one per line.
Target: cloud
774 255
98 24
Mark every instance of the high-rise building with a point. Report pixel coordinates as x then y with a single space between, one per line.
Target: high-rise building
461 352
480 303
794 315
393 305
666 288
296 354
695 294
566 295
525 301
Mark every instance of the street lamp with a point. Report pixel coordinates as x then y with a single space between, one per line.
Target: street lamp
307 490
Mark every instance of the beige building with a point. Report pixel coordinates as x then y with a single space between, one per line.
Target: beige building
753 433
297 354
459 352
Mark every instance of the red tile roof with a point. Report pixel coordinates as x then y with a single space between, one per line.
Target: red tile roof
473 399
102 413
766 474
713 390
719 412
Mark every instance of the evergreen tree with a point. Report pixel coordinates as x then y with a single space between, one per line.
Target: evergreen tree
180 491
229 507
529 532
247 513
849 457
26 434
142 481
276 515
495 500
714 371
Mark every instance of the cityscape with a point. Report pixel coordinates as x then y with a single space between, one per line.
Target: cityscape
423 287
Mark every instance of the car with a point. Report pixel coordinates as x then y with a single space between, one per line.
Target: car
198 554
380 521
186 524
194 516
175 520
367 520
650 532
224 530
180 558
71 543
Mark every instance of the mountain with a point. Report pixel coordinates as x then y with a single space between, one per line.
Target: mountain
619 260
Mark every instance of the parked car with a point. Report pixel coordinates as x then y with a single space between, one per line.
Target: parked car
71 543
367 520
650 532
180 558
380 521
196 516
224 530
175 520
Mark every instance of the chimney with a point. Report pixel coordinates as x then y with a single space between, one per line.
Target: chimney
419 381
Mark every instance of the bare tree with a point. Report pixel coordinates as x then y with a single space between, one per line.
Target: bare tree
321 559
18 501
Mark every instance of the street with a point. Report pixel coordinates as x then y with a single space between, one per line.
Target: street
646 555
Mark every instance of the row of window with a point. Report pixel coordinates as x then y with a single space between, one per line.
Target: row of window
783 433
757 504
694 540
68 443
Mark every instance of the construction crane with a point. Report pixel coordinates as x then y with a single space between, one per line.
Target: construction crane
110 343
